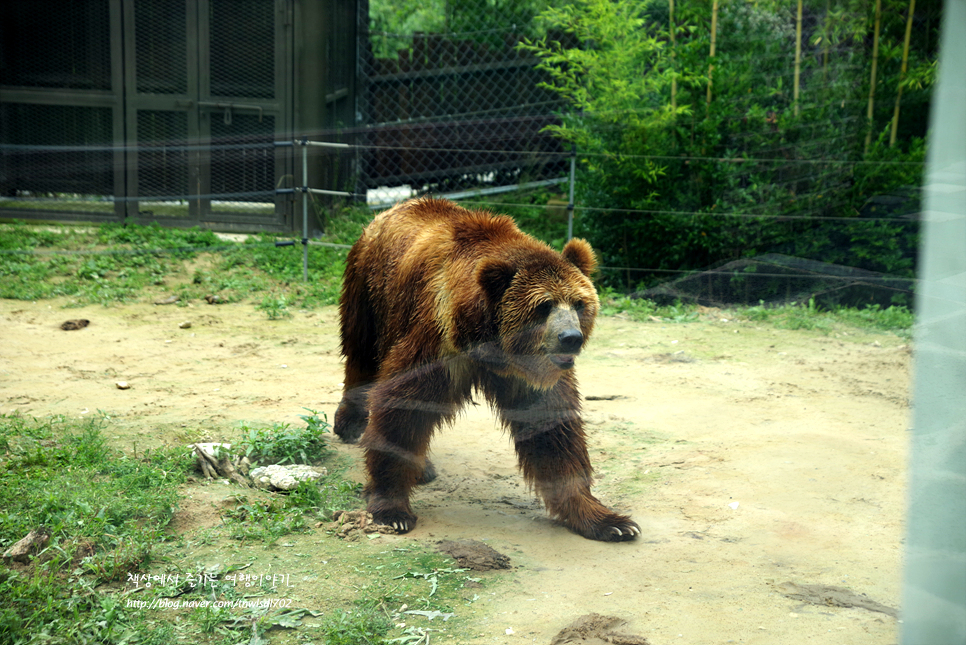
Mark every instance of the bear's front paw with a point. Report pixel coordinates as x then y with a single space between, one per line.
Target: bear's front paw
350 422
429 474
401 521
615 528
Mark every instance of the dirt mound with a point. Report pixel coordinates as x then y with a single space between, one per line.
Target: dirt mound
474 555
594 629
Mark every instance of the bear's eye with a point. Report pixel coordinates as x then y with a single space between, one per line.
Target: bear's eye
543 309
579 306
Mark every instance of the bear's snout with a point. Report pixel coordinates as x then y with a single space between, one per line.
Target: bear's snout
565 337
570 340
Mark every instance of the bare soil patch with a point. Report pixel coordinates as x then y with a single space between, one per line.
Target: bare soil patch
751 457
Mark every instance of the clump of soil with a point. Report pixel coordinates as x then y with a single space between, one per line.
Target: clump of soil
72 325
594 629
471 554
352 525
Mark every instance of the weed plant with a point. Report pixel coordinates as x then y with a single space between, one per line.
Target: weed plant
263 520
275 308
283 444
365 625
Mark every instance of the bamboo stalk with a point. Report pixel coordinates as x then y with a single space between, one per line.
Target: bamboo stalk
902 73
875 62
714 33
674 80
825 45
798 56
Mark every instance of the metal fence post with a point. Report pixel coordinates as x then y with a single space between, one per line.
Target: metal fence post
305 210
570 203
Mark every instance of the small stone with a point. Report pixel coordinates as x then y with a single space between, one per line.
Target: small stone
185 325
277 477
123 385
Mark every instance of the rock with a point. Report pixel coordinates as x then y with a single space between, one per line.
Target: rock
185 325
214 300
170 300
123 385
31 544
278 477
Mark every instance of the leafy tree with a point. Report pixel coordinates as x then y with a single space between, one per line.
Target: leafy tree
751 165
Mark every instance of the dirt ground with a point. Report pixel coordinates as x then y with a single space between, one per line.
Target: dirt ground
759 462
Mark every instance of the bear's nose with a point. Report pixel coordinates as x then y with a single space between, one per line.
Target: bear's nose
570 340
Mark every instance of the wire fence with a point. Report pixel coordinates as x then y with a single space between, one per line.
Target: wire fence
452 106
771 278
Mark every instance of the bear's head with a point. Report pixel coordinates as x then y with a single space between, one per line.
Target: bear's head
545 306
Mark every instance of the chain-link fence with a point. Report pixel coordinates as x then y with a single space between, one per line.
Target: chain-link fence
446 112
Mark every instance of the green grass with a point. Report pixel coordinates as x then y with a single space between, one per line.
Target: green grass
100 532
897 320
112 263
614 303
268 520
108 517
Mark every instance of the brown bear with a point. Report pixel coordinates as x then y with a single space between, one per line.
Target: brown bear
439 300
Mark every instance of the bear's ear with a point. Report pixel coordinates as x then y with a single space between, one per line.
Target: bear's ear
579 254
495 277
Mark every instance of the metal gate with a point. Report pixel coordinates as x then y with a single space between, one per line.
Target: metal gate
147 110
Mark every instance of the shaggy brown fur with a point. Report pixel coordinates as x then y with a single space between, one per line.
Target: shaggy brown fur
438 300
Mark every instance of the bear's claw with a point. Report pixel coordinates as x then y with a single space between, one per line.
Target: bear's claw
618 529
632 532
400 521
